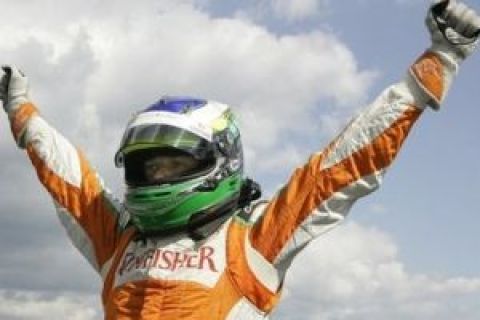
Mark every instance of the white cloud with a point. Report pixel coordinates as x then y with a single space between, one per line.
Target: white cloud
293 10
356 273
26 305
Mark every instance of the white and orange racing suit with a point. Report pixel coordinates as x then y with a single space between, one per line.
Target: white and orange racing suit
238 271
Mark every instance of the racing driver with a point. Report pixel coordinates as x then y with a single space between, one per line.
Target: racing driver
191 240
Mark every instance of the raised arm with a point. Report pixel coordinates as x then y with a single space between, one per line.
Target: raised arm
86 210
320 194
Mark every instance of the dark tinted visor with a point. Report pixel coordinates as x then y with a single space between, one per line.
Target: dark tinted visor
157 166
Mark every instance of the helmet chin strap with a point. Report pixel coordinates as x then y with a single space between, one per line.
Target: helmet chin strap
205 223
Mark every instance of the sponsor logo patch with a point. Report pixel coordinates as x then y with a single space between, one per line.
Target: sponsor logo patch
170 260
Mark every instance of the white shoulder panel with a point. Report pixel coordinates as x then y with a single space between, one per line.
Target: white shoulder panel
245 310
57 153
77 235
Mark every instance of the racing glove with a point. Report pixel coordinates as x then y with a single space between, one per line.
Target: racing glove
13 89
454 30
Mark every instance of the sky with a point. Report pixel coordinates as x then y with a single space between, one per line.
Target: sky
295 72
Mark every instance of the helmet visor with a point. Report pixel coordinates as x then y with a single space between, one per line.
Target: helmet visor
157 166
164 136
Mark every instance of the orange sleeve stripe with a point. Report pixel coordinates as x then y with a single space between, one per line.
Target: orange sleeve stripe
308 188
20 117
225 296
240 273
110 278
86 204
428 70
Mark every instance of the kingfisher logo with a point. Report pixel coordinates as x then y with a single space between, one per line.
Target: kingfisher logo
170 260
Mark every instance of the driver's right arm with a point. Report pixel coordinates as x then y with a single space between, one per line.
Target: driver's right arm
86 209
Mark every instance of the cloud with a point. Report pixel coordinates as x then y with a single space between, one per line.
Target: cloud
294 10
26 305
356 273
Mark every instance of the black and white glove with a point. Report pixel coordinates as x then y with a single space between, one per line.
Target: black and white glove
13 88
454 30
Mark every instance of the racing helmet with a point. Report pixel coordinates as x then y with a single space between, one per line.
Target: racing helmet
195 145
